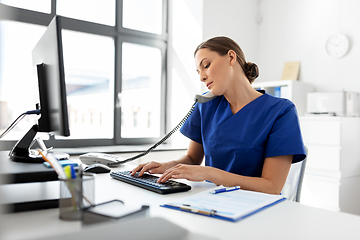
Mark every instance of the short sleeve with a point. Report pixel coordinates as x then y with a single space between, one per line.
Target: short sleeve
192 126
285 136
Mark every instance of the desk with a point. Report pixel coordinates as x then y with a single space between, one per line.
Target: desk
29 185
18 172
286 220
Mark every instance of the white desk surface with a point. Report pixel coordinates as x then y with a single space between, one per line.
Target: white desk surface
286 220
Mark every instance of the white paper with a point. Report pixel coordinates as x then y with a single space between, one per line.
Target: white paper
233 205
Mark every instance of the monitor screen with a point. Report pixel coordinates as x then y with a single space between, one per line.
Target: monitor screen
47 56
48 59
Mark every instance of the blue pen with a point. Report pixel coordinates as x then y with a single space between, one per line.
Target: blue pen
220 190
73 172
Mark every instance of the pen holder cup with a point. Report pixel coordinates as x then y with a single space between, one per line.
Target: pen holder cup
75 195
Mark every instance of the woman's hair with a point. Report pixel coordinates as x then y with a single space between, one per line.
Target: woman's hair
222 45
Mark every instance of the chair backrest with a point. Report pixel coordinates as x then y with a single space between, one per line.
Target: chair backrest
293 184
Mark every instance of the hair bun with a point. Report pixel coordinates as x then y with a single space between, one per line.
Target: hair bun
251 71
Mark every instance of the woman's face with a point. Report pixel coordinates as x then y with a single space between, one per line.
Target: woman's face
214 70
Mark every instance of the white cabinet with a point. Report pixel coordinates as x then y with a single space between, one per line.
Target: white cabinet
332 176
293 90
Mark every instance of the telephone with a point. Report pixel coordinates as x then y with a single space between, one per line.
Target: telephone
114 161
102 158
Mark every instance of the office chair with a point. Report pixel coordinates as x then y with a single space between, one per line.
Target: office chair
293 184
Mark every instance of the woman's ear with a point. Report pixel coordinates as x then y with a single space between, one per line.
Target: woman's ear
232 57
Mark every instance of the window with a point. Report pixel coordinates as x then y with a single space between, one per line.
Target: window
89 72
35 5
89 10
17 82
114 68
141 90
143 15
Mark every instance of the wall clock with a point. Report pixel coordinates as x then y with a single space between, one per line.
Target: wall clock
337 45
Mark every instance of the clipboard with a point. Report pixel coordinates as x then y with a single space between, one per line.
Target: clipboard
231 206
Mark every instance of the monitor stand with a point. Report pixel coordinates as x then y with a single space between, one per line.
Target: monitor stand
21 152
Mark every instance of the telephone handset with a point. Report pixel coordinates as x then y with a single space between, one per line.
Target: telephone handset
97 157
204 98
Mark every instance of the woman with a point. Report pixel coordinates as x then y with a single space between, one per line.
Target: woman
248 138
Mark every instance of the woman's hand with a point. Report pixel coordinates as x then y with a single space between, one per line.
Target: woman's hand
184 171
152 167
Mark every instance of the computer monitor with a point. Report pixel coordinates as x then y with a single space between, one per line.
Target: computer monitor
48 59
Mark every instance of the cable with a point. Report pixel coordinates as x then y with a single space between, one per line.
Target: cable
17 120
164 138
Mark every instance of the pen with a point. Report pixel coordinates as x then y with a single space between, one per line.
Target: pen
195 210
220 190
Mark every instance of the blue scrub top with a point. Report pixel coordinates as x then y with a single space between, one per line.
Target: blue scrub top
239 143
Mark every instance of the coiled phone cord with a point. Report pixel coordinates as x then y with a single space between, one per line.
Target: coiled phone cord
164 138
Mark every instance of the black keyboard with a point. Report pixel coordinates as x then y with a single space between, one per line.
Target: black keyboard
148 182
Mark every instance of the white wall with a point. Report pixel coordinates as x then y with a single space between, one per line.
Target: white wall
236 19
185 34
298 30
291 30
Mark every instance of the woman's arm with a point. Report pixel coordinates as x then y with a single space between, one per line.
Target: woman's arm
272 180
274 174
194 156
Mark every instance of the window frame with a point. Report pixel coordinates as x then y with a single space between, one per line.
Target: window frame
119 35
